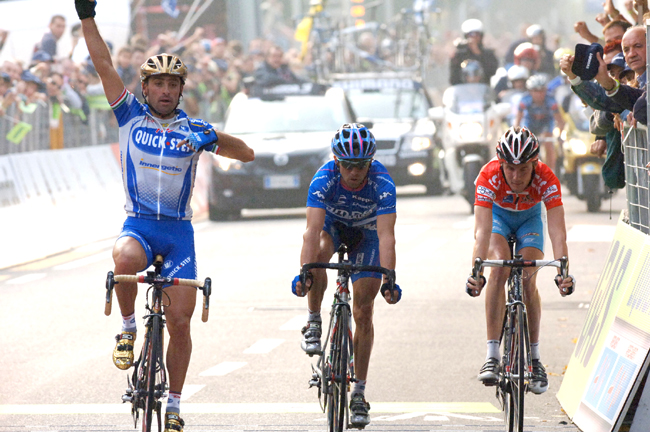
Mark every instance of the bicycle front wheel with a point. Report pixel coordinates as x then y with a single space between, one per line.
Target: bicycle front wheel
339 373
517 379
153 362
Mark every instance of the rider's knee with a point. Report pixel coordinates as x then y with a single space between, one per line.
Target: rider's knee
363 315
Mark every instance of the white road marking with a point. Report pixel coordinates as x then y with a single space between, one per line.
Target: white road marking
591 233
190 390
254 408
436 418
263 346
223 369
400 417
82 262
295 323
26 278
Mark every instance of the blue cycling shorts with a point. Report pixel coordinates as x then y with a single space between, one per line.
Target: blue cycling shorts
366 253
173 239
526 225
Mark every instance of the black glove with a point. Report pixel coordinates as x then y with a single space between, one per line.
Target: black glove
85 8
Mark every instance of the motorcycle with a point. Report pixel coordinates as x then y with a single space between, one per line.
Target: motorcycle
470 122
581 170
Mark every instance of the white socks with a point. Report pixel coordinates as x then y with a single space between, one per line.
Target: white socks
492 349
128 323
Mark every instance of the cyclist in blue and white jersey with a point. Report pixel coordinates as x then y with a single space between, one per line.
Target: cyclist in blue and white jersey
159 150
350 197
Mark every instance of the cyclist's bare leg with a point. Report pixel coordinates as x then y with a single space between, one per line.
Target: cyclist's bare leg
495 299
531 294
178 315
317 290
129 258
364 292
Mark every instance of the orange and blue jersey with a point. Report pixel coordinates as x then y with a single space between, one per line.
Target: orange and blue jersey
492 189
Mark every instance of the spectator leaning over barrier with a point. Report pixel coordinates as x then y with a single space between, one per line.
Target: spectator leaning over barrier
153 136
50 39
625 95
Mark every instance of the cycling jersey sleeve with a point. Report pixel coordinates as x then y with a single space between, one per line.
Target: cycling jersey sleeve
386 195
321 186
487 185
548 186
124 106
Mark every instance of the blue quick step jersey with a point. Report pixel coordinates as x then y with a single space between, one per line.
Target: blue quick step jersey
357 208
158 176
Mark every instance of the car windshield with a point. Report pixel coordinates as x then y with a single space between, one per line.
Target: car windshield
468 98
291 114
390 103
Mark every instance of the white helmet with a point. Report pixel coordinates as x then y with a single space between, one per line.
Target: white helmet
471 25
517 72
534 30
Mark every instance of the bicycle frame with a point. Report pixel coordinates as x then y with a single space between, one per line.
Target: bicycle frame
335 367
147 386
516 364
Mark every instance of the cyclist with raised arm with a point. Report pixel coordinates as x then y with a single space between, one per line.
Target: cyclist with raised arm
159 150
509 192
352 196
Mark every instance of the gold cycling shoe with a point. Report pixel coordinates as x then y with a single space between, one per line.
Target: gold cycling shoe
123 352
173 422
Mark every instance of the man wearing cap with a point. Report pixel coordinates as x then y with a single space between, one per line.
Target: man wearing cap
50 39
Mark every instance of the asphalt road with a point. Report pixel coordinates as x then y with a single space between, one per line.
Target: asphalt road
248 371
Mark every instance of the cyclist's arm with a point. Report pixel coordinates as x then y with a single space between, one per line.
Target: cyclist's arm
234 148
386 234
557 231
101 57
482 232
311 237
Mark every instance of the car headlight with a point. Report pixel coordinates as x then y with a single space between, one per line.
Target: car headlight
472 131
578 146
420 143
226 164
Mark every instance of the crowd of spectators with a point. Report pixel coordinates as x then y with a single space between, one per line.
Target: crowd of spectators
612 86
67 83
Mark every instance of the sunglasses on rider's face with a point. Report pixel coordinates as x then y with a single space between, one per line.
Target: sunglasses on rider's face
359 163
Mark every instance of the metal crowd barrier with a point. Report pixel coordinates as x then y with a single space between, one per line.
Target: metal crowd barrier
98 127
635 143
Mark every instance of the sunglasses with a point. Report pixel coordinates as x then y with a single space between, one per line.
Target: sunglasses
359 163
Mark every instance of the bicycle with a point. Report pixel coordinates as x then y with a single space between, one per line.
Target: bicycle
335 367
515 366
148 384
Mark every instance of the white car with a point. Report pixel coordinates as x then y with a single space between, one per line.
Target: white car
290 129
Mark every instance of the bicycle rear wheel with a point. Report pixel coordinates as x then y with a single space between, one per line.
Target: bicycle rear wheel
153 362
339 374
517 380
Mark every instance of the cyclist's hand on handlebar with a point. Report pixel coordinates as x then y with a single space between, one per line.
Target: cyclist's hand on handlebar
397 293
474 287
298 288
566 286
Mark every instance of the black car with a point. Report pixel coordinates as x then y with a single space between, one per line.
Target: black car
397 106
290 130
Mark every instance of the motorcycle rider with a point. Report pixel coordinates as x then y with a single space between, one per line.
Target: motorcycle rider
471 48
